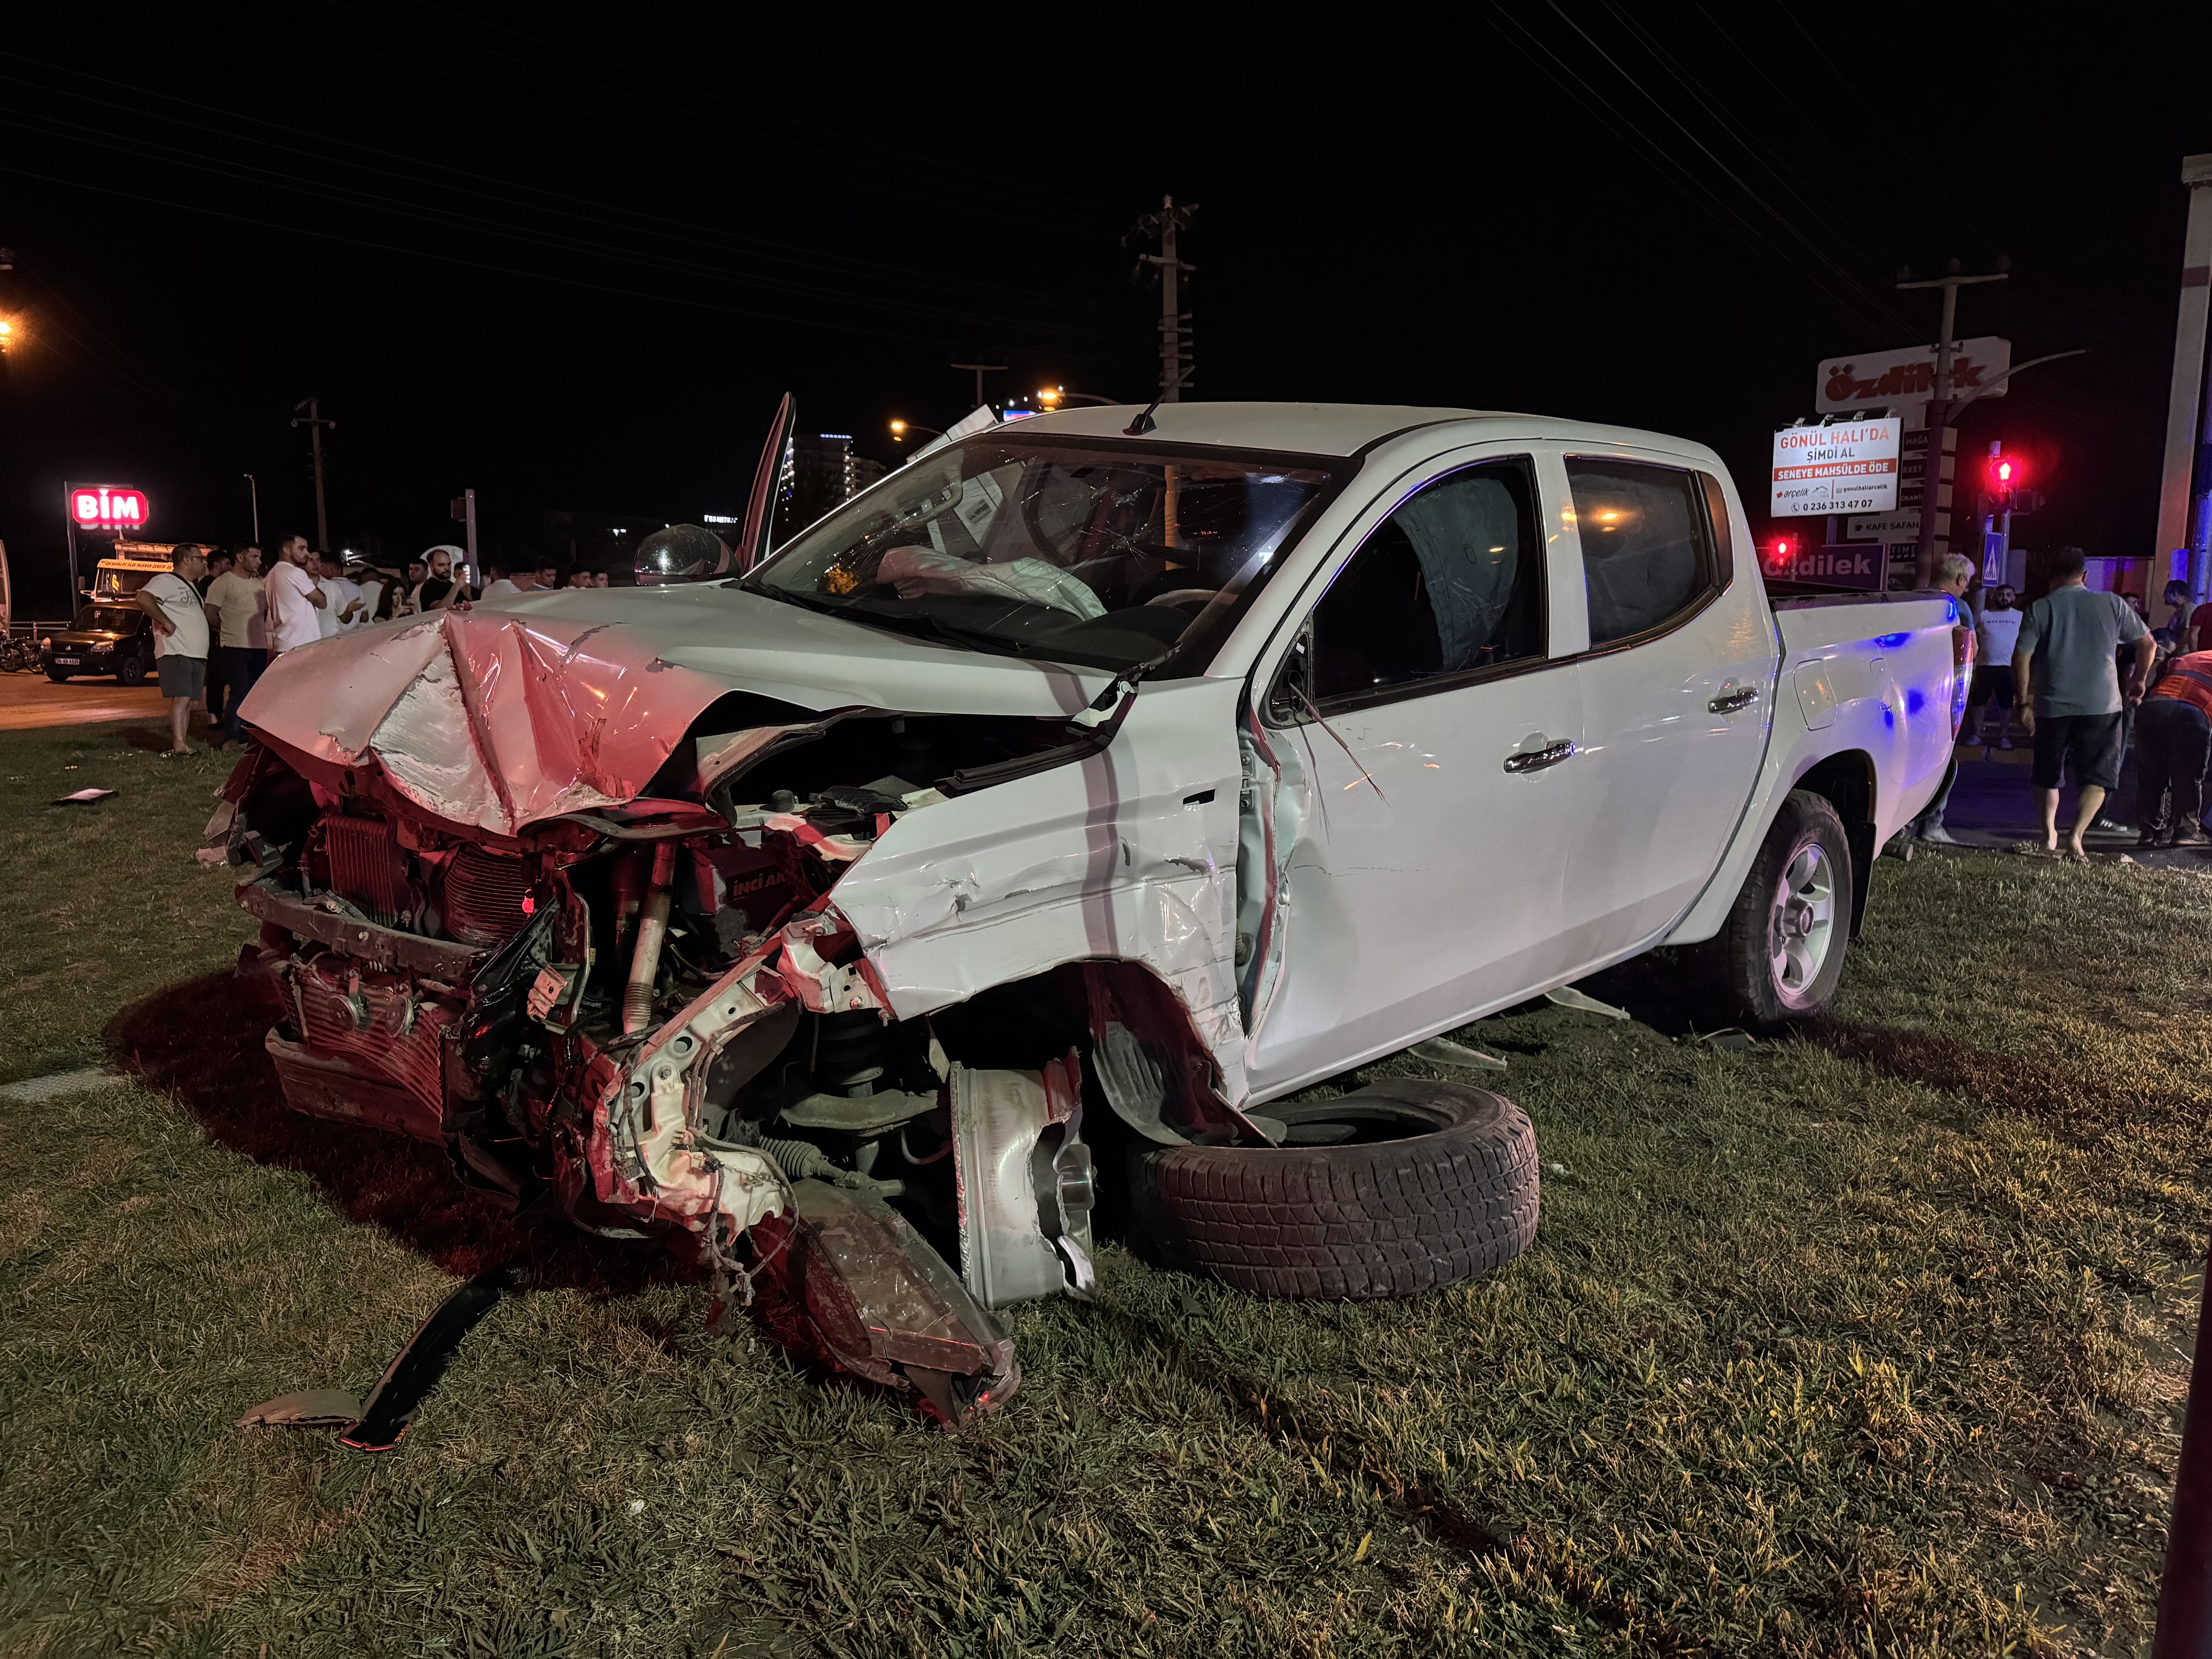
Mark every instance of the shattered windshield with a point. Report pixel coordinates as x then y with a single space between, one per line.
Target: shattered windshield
1113 554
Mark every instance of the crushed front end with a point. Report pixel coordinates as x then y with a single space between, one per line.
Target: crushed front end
649 1014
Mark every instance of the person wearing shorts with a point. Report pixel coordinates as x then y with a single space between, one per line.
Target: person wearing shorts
178 616
2069 691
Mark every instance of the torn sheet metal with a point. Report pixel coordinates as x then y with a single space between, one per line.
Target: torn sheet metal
1127 855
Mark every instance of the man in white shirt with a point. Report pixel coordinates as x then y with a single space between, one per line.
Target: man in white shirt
502 584
177 613
295 602
1999 631
343 610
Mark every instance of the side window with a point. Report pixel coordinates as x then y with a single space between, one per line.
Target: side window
1648 554
1451 583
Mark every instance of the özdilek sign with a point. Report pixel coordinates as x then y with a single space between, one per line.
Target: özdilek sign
108 506
1847 467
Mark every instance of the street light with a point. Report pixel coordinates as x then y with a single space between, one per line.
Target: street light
900 428
1051 398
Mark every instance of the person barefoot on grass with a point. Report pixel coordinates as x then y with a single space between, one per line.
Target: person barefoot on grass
2070 694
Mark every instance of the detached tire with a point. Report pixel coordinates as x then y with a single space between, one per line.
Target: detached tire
1781 955
1413 1185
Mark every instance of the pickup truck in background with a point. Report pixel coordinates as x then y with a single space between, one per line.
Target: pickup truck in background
1108 781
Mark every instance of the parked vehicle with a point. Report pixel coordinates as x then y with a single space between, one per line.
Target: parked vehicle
108 637
1096 781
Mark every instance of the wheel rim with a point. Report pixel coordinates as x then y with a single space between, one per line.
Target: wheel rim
1802 924
1354 1120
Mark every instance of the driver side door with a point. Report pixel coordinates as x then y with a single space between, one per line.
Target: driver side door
1421 736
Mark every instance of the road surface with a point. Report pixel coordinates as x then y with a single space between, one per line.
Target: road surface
28 701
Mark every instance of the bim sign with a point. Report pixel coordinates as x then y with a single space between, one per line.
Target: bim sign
108 506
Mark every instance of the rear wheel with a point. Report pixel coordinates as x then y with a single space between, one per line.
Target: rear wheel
1405 1185
1781 955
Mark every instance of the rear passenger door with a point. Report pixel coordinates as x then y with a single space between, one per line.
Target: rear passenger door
1676 689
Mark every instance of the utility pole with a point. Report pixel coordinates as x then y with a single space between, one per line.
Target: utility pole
253 500
1175 361
982 369
2185 438
1934 522
314 423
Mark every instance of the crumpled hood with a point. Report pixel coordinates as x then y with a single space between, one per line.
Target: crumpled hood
543 703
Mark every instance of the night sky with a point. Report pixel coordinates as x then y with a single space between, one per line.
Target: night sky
574 269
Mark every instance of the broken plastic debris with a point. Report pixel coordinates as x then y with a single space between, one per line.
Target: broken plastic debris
1557 1169
1442 1051
310 1408
1582 1003
84 798
389 1408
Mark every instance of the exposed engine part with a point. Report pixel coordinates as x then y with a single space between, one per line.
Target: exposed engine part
626 893
367 866
487 896
1026 1180
651 929
380 1031
848 1054
860 1115
802 1160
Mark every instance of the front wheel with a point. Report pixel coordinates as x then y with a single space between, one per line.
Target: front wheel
131 671
1781 955
58 676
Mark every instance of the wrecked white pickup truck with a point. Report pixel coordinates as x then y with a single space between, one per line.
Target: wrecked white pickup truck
1091 782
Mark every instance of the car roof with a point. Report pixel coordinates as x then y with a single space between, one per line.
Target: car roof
1315 428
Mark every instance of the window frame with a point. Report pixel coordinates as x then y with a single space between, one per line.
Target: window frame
1296 657
1717 552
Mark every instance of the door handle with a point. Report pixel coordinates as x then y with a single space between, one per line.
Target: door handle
1728 702
1536 760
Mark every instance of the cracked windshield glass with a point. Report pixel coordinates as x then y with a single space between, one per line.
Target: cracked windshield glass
1099 555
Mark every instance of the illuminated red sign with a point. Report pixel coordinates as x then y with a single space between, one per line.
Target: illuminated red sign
108 506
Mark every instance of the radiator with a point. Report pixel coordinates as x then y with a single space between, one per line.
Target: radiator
485 896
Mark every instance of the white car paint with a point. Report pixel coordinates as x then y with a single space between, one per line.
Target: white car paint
1414 883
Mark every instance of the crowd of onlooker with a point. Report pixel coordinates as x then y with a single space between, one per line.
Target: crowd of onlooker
2087 676
219 618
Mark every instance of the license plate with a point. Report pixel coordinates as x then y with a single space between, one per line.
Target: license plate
67 662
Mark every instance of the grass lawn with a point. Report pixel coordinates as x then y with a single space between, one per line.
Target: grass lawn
1873 1342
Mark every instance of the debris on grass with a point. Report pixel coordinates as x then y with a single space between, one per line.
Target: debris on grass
83 798
1442 1051
1582 1003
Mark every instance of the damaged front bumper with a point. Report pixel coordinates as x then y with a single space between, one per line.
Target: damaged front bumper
705 985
